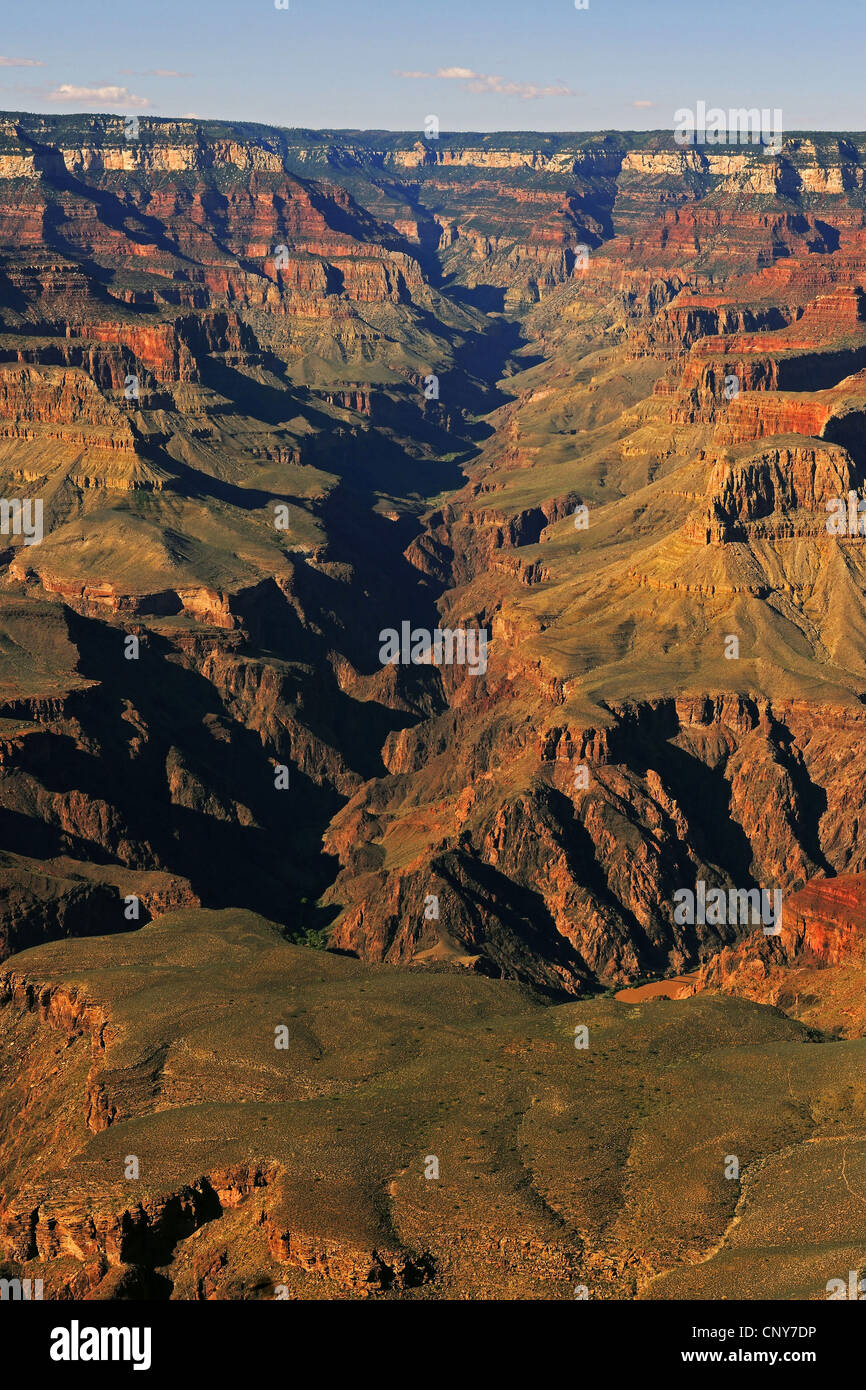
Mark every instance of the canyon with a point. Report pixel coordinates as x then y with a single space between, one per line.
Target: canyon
217 344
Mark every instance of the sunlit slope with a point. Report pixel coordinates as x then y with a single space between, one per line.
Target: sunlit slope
558 1165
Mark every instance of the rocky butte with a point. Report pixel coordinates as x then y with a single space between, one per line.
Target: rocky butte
278 392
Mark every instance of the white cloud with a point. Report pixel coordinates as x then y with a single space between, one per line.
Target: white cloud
114 96
486 82
21 63
153 72
527 91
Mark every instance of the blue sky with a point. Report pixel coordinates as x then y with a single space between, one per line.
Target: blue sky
476 64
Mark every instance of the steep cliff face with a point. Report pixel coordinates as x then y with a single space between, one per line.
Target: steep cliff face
216 397
705 521
282 391
814 969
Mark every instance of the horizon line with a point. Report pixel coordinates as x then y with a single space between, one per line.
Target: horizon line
396 130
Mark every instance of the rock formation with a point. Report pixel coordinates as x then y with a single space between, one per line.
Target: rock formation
277 393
